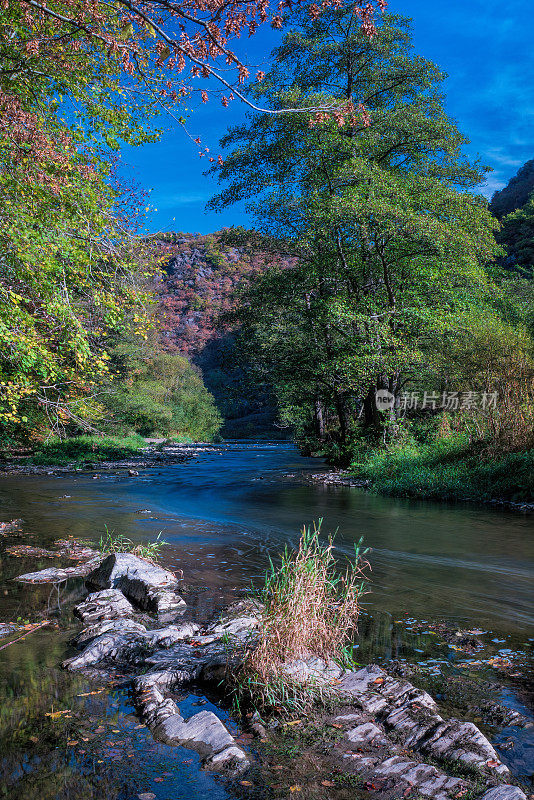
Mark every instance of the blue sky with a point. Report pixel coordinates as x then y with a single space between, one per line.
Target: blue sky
485 46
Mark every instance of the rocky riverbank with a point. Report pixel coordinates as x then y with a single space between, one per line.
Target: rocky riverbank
377 733
158 455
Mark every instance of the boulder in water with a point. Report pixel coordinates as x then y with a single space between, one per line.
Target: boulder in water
147 585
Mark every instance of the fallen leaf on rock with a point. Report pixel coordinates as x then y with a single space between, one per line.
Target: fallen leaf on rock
246 783
378 680
327 783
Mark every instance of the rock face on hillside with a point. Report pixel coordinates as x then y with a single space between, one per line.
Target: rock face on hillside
201 281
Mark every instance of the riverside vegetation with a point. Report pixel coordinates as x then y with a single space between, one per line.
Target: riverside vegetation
400 284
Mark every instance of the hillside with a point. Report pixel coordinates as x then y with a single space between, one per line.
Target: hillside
200 282
516 193
514 206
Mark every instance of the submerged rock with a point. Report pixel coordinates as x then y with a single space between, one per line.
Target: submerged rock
147 585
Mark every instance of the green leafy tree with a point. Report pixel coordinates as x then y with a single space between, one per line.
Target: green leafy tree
158 393
68 268
376 205
517 236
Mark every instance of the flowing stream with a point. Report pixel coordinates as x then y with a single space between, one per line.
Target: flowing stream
223 514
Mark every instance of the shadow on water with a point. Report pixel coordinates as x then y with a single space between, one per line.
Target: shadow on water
223 514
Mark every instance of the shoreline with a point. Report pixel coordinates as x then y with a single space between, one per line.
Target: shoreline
147 458
343 478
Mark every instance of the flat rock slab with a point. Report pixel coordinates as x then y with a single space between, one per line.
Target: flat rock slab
104 605
58 575
147 585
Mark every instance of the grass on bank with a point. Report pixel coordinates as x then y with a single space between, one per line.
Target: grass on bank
113 542
79 449
311 606
449 468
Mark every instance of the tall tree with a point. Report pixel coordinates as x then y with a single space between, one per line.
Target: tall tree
391 242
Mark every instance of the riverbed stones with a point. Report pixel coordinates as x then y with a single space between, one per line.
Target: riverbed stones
147 585
413 714
366 734
123 640
104 605
58 574
203 732
504 792
423 778
312 671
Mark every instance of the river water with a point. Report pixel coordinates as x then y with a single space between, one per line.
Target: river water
223 514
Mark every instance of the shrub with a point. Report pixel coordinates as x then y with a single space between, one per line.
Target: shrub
118 543
311 608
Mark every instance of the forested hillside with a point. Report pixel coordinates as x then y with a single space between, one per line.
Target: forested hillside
202 278
514 207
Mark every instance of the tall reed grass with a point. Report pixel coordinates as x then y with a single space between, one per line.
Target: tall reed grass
311 605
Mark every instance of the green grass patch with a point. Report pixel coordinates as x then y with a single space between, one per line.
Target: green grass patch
448 469
86 448
113 542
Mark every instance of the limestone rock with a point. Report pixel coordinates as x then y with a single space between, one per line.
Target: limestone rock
412 713
424 778
146 585
118 640
58 575
504 792
464 742
105 605
123 639
312 670
203 732
366 734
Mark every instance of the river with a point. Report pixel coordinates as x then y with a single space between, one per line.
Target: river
223 514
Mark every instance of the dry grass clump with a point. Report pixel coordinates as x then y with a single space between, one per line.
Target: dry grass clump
311 608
